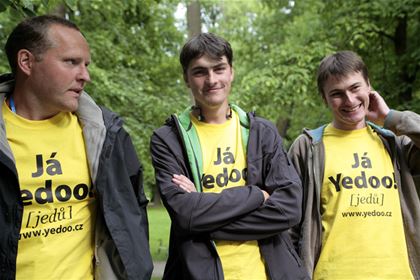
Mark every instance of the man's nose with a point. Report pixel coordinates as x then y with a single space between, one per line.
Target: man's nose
349 96
211 77
84 74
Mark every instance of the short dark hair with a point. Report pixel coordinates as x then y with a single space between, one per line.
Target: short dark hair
340 64
205 43
31 34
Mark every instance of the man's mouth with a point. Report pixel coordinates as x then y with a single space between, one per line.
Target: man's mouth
77 90
352 109
210 90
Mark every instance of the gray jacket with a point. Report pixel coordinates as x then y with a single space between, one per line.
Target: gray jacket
122 249
402 140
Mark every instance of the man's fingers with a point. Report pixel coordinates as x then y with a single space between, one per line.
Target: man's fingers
184 183
185 188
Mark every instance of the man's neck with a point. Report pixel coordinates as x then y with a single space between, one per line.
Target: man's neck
214 115
28 107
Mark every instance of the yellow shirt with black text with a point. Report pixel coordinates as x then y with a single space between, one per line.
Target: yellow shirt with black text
363 233
224 166
56 239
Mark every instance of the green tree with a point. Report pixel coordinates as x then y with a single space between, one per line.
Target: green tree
385 33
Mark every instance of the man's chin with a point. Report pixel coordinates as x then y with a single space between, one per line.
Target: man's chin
216 102
71 108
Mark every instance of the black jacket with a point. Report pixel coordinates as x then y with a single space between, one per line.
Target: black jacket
238 213
122 248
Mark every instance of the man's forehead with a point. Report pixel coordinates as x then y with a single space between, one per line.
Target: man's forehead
58 32
207 61
336 82
340 78
67 38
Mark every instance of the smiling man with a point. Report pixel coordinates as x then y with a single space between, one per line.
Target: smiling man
228 186
361 208
72 204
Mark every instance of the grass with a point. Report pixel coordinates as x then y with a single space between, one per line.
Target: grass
159 225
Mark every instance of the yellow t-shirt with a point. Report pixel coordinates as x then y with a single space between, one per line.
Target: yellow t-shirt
363 234
224 166
56 239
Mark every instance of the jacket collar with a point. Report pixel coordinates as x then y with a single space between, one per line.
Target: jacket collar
244 119
185 120
317 133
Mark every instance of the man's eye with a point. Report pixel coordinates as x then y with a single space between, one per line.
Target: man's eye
71 61
198 73
219 70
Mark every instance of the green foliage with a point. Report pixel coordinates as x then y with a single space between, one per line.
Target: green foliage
23 7
385 34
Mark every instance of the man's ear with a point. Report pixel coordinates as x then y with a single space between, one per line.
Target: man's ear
25 60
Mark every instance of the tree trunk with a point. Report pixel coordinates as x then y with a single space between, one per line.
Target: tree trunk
60 11
283 125
400 43
193 18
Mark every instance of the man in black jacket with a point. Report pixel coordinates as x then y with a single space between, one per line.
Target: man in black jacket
72 204
225 180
